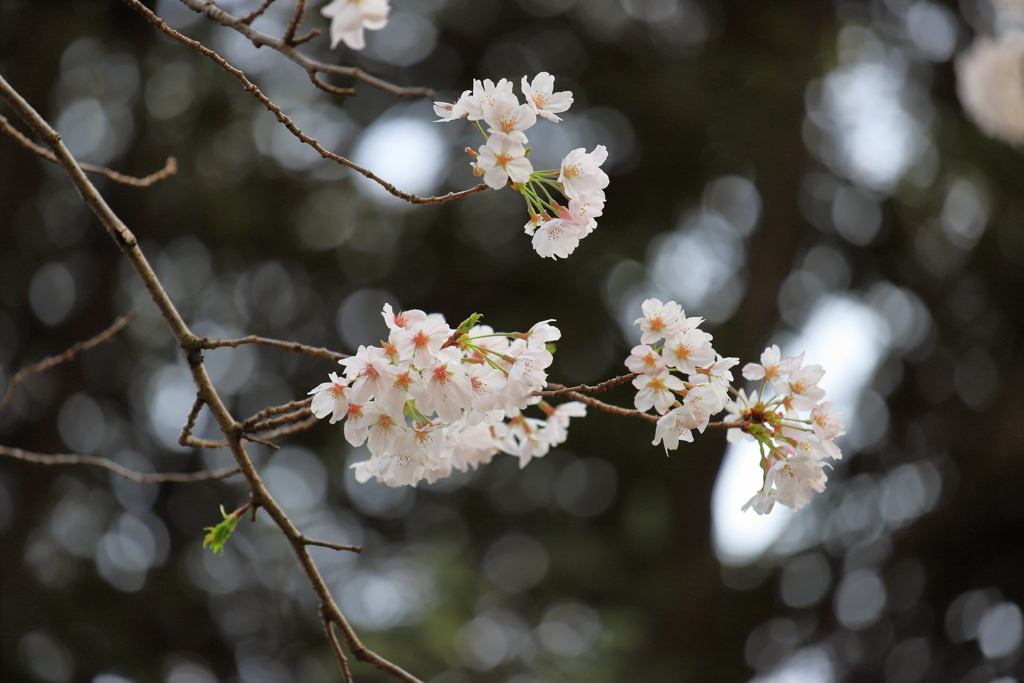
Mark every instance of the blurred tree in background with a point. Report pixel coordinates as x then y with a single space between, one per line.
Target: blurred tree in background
796 172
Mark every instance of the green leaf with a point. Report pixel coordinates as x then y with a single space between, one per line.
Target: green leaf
466 325
219 534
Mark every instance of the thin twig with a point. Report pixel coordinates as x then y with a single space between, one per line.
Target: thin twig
300 12
142 477
293 429
609 408
249 18
333 546
275 410
169 169
339 654
50 361
295 347
276 422
559 389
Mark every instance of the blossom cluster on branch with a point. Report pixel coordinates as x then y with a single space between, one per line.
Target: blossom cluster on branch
792 444
432 399
556 228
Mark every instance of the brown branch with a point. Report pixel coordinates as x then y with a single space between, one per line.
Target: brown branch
169 169
276 410
211 10
609 408
293 429
50 361
559 389
339 654
142 477
191 349
250 87
300 12
333 546
327 87
294 347
306 38
249 18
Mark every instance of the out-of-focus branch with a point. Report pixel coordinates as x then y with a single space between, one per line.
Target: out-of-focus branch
50 361
169 169
285 45
284 118
295 347
131 475
191 349
289 35
255 14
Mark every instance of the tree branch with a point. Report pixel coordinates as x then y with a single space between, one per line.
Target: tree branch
169 169
250 87
50 361
295 347
333 546
211 10
131 475
191 349
559 389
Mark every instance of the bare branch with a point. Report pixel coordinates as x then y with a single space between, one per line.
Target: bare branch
250 87
293 429
211 10
142 477
169 169
339 654
333 546
295 347
50 361
559 389
249 18
190 347
609 408
256 422
300 12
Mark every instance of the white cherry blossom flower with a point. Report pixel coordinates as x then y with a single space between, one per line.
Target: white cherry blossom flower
452 111
672 428
689 350
556 238
509 117
540 96
581 173
770 368
825 423
330 398
795 478
485 94
503 158
350 17
538 336
659 320
422 340
656 391
645 360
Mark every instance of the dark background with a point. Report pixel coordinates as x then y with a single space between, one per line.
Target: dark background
597 562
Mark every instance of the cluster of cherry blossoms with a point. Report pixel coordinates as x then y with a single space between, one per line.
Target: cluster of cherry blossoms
432 399
350 17
792 444
556 229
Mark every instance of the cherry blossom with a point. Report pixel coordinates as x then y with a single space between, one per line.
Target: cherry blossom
503 158
330 398
350 17
540 96
581 173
